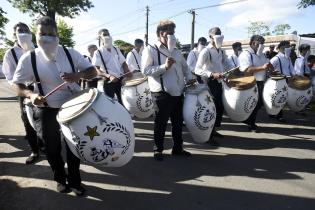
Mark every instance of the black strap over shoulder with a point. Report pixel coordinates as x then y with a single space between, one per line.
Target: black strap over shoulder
117 53
251 57
34 65
280 65
14 55
69 58
233 61
103 61
195 55
159 61
136 60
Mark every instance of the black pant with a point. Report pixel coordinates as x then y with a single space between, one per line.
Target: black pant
216 90
113 88
91 83
251 120
31 134
48 128
167 106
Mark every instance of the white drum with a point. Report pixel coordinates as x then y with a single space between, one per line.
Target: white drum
300 93
199 112
97 129
136 96
275 94
240 96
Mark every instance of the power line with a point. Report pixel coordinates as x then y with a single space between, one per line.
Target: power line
217 5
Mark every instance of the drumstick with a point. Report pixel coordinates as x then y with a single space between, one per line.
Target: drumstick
55 89
229 71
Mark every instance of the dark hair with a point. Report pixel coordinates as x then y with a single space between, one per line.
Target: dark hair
46 21
102 30
213 30
138 41
91 46
311 58
283 43
256 38
202 40
19 24
236 44
164 25
303 47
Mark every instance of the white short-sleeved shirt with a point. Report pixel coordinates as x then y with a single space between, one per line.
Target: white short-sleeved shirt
192 59
133 60
249 58
9 63
173 78
300 67
282 64
113 60
49 73
233 59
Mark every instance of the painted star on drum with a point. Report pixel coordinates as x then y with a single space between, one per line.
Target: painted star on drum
91 132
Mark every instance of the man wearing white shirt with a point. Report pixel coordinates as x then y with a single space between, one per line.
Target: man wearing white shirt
253 62
48 66
111 65
133 59
167 72
23 43
237 50
282 63
300 66
211 64
193 56
92 83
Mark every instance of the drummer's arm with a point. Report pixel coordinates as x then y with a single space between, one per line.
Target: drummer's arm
126 69
23 91
199 70
147 67
89 73
255 69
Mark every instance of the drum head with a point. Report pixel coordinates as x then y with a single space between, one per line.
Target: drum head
276 76
196 89
136 79
299 82
241 83
78 104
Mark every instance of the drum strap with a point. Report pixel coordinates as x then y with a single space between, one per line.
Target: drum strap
14 55
251 57
34 65
69 58
103 61
195 55
116 53
136 60
85 56
159 61
280 64
233 61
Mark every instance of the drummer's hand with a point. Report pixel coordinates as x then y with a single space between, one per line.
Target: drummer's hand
169 62
191 82
267 66
113 79
216 75
128 74
37 99
70 77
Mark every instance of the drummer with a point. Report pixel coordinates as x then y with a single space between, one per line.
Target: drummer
167 71
133 58
93 82
193 56
111 64
282 64
211 64
237 50
23 43
52 66
254 62
300 67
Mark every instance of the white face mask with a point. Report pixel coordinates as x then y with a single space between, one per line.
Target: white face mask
25 41
171 42
260 49
48 45
141 50
200 47
218 40
287 52
107 41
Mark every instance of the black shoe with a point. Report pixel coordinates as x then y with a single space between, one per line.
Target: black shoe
281 119
181 153
62 188
32 158
78 190
213 142
254 128
158 156
216 134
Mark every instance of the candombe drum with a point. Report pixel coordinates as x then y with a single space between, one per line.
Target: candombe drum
240 96
199 112
275 94
299 92
97 129
136 96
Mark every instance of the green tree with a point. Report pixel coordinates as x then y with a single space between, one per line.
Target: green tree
3 21
281 29
258 28
64 8
306 3
125 47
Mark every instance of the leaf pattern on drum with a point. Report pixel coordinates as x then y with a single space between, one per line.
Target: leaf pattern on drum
277 101
100 154
117 127
148 103
207 117
250 104
302 101
79 147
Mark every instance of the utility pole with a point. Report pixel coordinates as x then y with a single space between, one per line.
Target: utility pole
147 27
192 11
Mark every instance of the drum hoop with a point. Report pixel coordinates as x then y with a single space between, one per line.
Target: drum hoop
245 86
277 77
138 82
83 109
302 87
191 90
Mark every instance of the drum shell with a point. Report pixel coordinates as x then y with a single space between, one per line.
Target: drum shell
199 115
299 99
114 126
239 104
137 100
275 95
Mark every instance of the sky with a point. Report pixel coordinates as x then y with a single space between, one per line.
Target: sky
125 19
